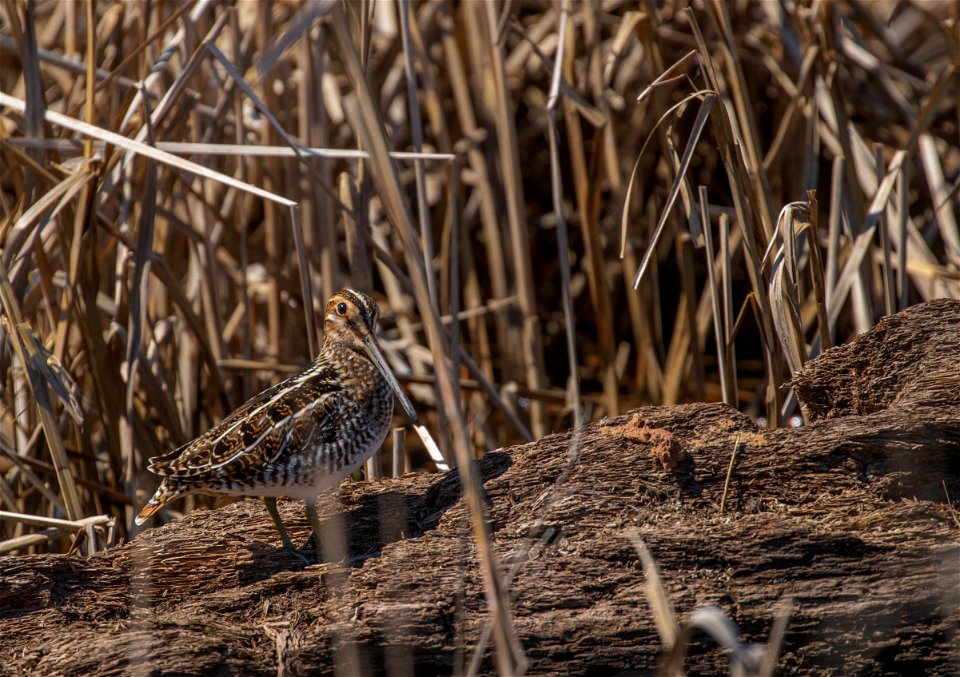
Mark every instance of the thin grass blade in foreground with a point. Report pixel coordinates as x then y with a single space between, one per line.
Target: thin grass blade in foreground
745 659
510 657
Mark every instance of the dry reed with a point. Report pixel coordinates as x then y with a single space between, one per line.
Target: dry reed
182 184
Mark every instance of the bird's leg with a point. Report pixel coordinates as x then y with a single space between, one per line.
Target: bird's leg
271 503
314 523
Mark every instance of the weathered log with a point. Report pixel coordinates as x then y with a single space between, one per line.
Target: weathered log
847 515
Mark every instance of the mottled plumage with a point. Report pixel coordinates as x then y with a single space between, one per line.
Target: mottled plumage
303 435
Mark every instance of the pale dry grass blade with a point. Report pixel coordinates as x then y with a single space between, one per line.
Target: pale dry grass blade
664 614
453 287
702 115
678 353
715 623
944 215
91 58
886 260
137 311
145 150
728 245
237 150
688 287
778 633
431 446
399 466
38 520
903 198
29 540
726 481
835 229
783 291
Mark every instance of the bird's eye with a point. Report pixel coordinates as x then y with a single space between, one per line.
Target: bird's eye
341 308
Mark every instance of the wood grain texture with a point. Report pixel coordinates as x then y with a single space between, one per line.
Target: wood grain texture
847 515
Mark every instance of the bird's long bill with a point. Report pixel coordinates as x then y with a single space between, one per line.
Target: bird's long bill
373 351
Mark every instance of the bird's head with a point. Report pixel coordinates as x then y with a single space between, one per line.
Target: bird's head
350 320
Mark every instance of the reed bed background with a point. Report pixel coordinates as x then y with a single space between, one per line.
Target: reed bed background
566 210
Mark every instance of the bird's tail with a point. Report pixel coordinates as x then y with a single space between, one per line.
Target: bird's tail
168 490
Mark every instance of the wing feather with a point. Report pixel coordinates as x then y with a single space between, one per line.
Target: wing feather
260 430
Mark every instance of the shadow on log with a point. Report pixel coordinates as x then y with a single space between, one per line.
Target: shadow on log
848 515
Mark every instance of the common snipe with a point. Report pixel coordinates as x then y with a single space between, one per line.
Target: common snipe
303 435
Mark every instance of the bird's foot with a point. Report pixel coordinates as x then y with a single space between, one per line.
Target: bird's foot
300 554
313 547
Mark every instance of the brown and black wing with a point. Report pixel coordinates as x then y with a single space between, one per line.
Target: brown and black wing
281 418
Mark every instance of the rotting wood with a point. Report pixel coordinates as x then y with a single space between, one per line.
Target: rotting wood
846 515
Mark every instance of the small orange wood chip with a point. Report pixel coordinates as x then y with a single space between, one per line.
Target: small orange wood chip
664 447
